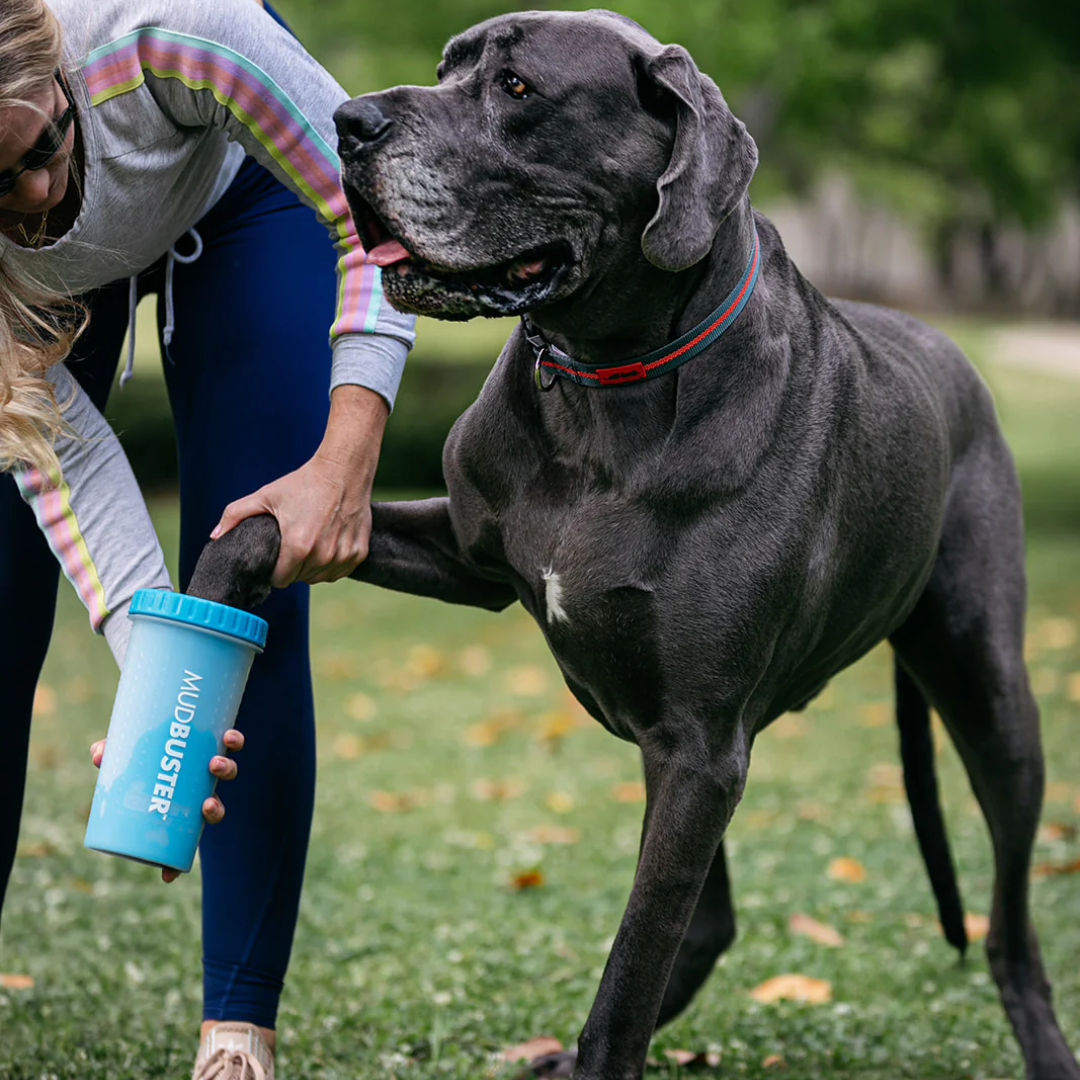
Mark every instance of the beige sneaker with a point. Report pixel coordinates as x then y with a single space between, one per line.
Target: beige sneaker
234 1052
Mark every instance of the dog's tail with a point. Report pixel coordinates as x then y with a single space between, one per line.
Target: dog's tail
920 780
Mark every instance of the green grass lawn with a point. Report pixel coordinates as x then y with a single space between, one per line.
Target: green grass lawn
451 762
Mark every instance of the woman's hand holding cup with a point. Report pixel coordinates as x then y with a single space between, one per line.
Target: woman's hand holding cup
223 768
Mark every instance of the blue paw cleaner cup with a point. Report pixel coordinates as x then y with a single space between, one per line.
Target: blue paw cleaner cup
184 673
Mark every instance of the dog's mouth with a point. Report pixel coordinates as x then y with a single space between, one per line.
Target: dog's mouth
414 283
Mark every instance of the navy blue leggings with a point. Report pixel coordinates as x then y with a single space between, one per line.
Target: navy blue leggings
247 374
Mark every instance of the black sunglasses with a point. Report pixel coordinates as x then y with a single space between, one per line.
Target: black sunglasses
46 148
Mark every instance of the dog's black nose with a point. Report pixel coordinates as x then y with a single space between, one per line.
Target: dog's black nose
361 120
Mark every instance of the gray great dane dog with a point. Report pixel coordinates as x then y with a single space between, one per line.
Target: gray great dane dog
703 544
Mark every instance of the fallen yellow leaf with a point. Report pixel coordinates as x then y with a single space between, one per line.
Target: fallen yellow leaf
16 982
1059 791
816 931
793 988
482 734
528 681
78 690
556 724
475 660
774 1061
387 802
44 700
532 1048
1057 633
340 666
554 834
631 791
487 732
45 757
360 707
562 802
791 726
885 774
385 740
485 790
977 926
400 679
876 714
1072 686
846 869
885 795
41 849
348 747
813 811
426 661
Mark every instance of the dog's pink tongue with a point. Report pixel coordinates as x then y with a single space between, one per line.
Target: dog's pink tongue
387 253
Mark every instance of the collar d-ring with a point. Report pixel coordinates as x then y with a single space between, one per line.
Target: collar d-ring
545 377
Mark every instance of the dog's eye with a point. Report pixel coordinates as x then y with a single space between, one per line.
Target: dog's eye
513 84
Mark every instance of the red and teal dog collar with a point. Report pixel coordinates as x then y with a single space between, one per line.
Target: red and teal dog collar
551 362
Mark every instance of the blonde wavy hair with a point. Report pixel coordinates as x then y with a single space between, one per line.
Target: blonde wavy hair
37 327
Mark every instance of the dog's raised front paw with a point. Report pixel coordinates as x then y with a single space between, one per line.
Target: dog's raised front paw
236 569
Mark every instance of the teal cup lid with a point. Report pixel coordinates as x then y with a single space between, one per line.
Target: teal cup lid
197 612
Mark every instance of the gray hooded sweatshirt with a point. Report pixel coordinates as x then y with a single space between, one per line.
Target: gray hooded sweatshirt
170 97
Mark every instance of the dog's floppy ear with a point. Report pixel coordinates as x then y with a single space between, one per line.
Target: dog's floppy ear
711 164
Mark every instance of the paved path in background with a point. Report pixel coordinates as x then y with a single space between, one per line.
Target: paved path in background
1050 347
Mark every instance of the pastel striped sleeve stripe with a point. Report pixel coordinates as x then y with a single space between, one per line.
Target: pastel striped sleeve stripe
51 502
273 119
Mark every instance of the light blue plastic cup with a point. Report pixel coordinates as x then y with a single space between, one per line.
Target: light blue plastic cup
184 673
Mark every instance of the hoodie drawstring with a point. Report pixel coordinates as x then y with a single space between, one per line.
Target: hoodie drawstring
171 258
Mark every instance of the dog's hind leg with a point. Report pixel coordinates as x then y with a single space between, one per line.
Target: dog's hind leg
920 781
711 931
963 646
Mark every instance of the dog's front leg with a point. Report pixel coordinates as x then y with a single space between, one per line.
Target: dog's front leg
414 549
691 794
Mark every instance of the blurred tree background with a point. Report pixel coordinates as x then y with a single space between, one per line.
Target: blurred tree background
920 153
961 117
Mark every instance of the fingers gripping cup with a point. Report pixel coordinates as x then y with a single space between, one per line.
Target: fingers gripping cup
184 673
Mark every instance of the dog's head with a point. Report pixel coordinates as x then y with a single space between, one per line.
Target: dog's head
555 146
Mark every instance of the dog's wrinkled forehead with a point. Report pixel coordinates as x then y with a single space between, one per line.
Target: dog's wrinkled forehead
552 41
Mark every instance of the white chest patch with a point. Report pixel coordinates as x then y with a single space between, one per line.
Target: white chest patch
553 596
